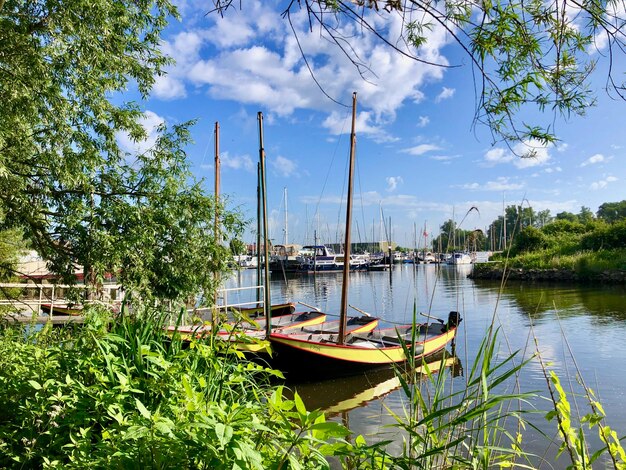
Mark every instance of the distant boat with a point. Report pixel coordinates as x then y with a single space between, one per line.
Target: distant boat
246 261
321 258
286 258
459 258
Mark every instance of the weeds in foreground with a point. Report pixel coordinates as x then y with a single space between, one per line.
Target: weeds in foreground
124 398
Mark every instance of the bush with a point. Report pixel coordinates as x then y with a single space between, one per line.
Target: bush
529 239
606 237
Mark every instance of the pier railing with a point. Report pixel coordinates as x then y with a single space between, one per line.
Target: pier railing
26 300
29 298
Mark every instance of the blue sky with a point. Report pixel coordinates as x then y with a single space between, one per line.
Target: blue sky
418 156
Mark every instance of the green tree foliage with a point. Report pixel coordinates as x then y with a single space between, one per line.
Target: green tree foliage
564 226
543 218
523 53
568 216
529 239
606 237
585 215
78 196
612 211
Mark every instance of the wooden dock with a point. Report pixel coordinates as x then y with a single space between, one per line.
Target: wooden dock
43 319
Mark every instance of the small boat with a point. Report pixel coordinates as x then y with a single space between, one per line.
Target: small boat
276 310
248 335
50 309
314 355
285 259
459 258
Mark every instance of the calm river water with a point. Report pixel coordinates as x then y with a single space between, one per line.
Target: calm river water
580 329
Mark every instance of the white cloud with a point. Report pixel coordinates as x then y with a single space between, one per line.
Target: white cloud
284 166
260 63
423 121
421 149
602 183
501 184
597 158
150 121
168 88
237 162
393 182
445 94
523 155
498 155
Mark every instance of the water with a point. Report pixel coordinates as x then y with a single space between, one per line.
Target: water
579 329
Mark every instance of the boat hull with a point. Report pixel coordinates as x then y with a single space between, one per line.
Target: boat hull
301 357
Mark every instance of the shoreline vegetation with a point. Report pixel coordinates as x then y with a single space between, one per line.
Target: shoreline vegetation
563 250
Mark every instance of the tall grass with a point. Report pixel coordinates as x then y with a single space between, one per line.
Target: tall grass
116 395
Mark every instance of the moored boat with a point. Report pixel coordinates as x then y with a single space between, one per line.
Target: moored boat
53 309
314 355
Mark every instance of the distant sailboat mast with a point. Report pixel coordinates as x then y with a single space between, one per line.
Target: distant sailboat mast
286 218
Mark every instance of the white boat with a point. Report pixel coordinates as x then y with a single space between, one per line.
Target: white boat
246 261
322 258
459 258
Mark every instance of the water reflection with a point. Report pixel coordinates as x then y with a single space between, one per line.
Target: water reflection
538 300
336 396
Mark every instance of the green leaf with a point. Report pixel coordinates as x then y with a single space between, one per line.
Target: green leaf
142 409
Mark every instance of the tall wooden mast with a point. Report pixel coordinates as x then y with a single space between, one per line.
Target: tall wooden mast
346 250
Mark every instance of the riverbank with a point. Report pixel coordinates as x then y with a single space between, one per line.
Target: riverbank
496 271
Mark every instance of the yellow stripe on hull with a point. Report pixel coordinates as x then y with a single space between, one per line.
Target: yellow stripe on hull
364 352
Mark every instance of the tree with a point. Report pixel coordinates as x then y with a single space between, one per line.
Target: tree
523 54
543 218
585 215
80 198
567 216
612 211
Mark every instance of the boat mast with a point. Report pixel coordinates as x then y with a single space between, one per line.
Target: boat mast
286 226
217 201
267 307
346 251
258 231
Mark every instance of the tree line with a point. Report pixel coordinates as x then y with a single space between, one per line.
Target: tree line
506 229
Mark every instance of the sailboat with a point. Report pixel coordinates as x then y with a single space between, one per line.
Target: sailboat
341 353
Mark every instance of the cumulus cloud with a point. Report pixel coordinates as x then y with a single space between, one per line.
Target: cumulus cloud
423 121
284 166
597 158
237 162
596 185
523 155
150 121
445 94
393 182
260 62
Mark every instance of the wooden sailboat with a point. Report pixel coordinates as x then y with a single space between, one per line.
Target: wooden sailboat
325 354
